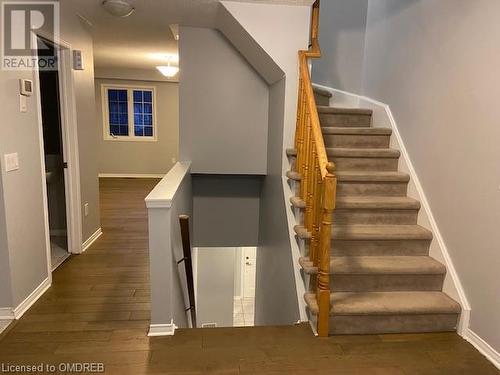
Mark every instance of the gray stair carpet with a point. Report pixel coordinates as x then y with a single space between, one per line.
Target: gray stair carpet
382 279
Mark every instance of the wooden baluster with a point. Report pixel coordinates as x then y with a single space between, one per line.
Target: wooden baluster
299 116
323 280
307 146
310 185
302 130
314 231
318 194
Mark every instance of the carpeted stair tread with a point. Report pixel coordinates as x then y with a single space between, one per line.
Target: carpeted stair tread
292 175
379 265
297 202
344 111
387 303
360 232
356 131
322 92
364 153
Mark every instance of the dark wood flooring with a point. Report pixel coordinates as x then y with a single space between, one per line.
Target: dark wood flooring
97 310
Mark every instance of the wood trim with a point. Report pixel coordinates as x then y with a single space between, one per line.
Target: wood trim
32 298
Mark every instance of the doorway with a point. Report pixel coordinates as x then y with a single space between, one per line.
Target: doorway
54 154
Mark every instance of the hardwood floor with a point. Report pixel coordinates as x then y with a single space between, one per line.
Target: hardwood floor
97 310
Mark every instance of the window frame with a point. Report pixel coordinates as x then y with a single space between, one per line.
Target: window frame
131 137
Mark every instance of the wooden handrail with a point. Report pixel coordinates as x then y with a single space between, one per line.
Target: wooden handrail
318 181
188 264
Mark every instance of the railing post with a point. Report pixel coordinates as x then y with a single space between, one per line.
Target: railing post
323 280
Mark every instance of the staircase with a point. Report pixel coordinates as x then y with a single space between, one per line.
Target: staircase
381 277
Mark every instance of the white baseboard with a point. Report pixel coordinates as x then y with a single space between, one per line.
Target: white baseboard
91 240
6 313
129 175
162 329
31 299
382 117
483 347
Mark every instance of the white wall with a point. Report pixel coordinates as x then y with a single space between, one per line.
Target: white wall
223 106
342 38
436 64
126 157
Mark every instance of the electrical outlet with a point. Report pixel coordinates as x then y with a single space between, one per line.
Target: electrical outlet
174 159
86 209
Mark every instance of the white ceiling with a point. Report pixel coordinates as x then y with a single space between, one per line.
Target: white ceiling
129 42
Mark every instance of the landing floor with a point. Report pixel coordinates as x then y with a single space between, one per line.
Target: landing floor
98 309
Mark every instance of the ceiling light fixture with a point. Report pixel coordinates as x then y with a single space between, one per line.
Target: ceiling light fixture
168 71
118 8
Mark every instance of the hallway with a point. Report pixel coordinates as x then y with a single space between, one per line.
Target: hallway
97 310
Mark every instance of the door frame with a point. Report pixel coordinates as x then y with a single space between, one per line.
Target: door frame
70 147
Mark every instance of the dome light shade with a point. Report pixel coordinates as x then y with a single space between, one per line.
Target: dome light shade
118 8
168 71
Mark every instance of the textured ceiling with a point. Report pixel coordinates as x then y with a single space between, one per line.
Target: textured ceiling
129 42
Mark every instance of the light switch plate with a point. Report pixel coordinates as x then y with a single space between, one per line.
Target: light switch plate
11 162
23 104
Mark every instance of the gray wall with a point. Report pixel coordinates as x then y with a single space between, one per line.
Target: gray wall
436 64
223 100
22 189
215 286
342 38
142 157
275 293
74 33
226 210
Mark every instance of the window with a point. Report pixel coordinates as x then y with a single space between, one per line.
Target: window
129 113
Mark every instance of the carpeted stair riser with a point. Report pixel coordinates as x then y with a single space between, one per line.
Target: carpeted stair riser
322 96
356 141
344 120
384 189
321 99
379 247
375 216
385 283
377 324
365 164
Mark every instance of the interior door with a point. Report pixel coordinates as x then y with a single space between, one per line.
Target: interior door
55 163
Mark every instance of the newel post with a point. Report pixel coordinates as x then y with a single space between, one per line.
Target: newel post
323 289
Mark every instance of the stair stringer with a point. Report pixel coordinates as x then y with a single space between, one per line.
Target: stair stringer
301 280
383 118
